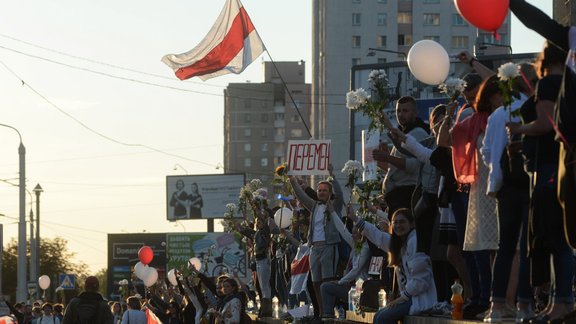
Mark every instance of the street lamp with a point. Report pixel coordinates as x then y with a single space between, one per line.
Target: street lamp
371 52
37 190
21 291
176 166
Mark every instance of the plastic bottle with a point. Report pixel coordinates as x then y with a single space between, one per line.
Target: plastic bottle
457 300
275 307
351 294
382 298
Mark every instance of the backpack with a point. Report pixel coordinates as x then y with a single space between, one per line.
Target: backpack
87 311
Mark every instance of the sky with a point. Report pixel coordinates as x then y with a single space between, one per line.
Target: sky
101 136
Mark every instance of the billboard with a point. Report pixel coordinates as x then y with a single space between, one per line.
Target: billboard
218 252
123 255
201 196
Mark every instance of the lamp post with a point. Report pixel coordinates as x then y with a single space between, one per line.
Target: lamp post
371 51
176 166
21 290
37 190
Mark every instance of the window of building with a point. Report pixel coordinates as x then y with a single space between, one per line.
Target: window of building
247 162
264 147
264 162
263 132
490 39
295 119
434 38
431 19
356 19
381 60
279 116
356 41
405 40
381 41
431 1
382 19
247 147
247 132
404 18
382 1
355 1
279 131
264 118
457 20
356 61
296 132
247 103
247 117
459 41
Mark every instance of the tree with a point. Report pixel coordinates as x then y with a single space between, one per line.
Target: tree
55 258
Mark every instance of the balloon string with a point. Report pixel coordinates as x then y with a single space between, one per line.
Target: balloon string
496 35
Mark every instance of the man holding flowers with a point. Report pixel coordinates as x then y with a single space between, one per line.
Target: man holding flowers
323 237
404 169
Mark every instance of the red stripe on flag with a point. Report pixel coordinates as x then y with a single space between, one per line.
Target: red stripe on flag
300 266
224 52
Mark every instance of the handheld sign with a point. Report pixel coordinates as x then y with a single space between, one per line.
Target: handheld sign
308 157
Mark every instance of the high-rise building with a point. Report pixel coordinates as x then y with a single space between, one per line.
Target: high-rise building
260 118
343 32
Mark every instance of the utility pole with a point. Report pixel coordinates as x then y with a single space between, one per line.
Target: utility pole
37 190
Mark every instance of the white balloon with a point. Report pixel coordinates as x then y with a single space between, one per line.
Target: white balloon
283 217
172 277
140 270
196 263
429 62
151 277
44 282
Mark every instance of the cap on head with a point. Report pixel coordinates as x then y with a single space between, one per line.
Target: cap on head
91 284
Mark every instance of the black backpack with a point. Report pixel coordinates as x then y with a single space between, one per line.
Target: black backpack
87 311
565 112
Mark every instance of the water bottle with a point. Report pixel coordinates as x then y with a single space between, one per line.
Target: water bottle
381 298
341 313
351 294
457 300
275 307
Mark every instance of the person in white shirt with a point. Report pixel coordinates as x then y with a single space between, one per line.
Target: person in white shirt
47 315
134 314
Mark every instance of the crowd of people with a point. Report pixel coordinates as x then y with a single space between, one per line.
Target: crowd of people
492 179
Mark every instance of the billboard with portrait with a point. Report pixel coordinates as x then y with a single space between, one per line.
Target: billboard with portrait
201 196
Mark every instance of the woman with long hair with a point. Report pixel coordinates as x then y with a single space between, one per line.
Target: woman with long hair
232 306
412 268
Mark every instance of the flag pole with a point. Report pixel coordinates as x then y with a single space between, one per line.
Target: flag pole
282 79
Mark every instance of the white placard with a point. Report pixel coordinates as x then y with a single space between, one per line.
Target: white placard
308 157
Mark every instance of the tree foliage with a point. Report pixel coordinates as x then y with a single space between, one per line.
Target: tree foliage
55 258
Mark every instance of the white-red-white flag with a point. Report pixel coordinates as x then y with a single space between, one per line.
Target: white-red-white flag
151 317
230 46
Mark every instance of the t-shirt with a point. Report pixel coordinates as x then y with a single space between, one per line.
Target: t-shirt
547 147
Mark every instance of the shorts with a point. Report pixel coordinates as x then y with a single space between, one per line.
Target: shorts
323 261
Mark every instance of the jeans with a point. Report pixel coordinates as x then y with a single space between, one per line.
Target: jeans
391 315
513 206
331 292
263 271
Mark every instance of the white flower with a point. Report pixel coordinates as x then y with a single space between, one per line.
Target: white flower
452 86
260 194
376 76
354 99
255 184
123 282
352 167
231 207
508 71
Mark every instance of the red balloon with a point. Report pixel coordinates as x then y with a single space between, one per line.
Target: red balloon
145 254
484 14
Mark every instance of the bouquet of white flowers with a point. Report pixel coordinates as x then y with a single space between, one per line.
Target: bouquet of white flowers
453 87
372 106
